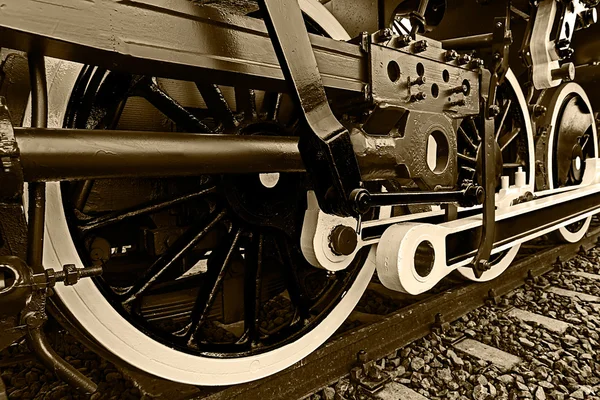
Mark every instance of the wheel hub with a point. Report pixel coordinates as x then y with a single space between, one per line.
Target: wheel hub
268 200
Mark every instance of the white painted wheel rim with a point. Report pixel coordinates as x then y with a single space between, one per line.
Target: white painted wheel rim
102 322
563 233
501 265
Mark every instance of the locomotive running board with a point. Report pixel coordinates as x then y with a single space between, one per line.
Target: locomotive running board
415 254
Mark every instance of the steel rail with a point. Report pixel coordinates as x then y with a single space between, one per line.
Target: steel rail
170 38
338 356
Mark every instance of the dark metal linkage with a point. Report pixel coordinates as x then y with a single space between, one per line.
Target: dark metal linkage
469 42
37 190
326 148
470 196
40 346
502 38
480 262
34 312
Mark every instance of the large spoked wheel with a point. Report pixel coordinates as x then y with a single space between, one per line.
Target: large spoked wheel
514 152
204 280
571 140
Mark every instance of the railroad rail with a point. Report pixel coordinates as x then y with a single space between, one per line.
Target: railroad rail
374 341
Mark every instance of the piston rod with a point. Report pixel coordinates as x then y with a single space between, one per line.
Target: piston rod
71 154
77 154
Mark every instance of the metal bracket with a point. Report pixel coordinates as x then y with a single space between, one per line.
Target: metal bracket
546 52
11 172
367 377
23 299
498 67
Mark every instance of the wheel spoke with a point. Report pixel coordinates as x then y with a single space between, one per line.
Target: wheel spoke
110 122
89 99
171 108
587 140
466 158
216 103
82 193
508 138
78 93
475 129
252 290
294 288
111 119
218 264
245 101
170 258
271 104
506 109
120 216
467 138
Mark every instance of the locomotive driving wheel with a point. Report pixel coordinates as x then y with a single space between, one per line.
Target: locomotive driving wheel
570 139
514 154
204 282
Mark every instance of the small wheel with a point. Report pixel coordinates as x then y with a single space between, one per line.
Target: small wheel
204 281
572 139
515 150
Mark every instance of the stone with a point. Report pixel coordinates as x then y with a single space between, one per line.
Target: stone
455 359
480 392
570 340
328 393
540 394
112 376
578 394
444 374
482 380
546 385
506 379
556 395
417 363
526 342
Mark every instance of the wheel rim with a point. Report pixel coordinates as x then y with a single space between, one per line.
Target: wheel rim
109 327
516 150
570 118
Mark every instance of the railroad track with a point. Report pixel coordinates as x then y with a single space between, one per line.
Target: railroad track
369 338
413 321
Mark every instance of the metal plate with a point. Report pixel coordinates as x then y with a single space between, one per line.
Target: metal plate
445 76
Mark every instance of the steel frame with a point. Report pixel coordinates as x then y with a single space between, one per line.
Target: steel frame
170 38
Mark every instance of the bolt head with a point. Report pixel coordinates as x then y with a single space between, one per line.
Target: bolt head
384 34
343 240
71 274
404 40
493 111
421 46
451 55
